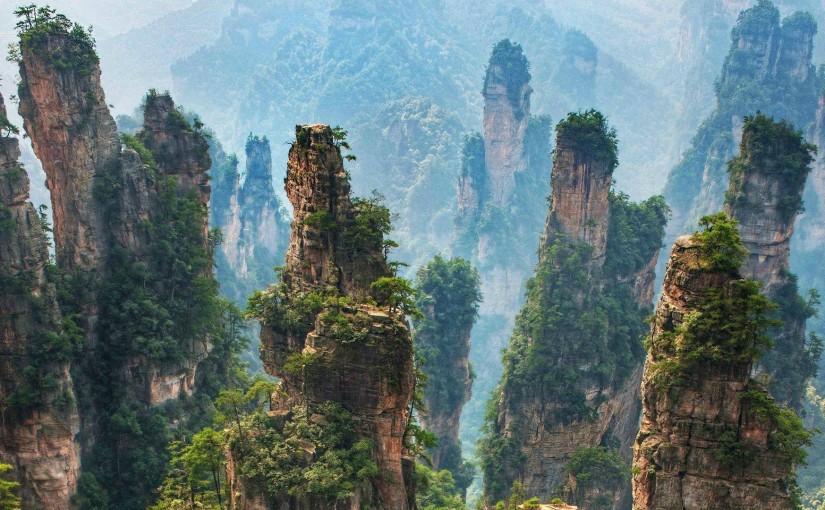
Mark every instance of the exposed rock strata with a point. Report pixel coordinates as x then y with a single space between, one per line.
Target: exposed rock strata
679 456
37 423
371 377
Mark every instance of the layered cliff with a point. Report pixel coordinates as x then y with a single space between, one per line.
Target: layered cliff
133 254
711 437
449 294
38 415
767 180
768 68
333 331
567 405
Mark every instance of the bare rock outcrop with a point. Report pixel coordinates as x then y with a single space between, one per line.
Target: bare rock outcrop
38 415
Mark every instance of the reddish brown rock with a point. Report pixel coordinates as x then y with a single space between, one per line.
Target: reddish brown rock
38 423
690 425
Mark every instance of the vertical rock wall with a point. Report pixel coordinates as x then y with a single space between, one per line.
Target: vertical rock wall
38 419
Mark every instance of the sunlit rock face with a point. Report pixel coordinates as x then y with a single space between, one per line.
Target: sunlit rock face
679 455
37 423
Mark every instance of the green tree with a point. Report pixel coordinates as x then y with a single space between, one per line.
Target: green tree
396 293
8 499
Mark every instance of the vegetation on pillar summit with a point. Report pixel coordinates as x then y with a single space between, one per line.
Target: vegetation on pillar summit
509 66
571 334
36 25
776 148
728 328
589 134
448 296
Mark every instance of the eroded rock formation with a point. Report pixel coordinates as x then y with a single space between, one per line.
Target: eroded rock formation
768 68
38 415
449 297
709 436
568 402
767 180
342 350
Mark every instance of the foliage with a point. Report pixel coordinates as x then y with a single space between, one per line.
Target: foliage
8 499
196 473
636 233
37 25
314 453
372 221
788 435
397 294
597 466
436 490
448 296
719 244
588 132
7 129
775 149
509 66
146 156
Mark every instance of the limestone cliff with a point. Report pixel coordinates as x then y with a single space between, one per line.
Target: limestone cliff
503 186
568 402
766 185
134 253
710 436
768 68
38 415
321 336
449 297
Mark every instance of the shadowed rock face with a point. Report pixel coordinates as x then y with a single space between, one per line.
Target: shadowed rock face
38 443
372 377
679 455
766 186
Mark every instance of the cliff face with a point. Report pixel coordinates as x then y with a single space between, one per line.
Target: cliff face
341 350
580 183
766 186
133 256
75 138
568 402
262 224
38 419
709 434
768 68
506 113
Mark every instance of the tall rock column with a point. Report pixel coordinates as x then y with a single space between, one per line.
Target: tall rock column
568 403
73 135
580 182
263 227
767 180
506 114
711 437
321 336
449 296
38 415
